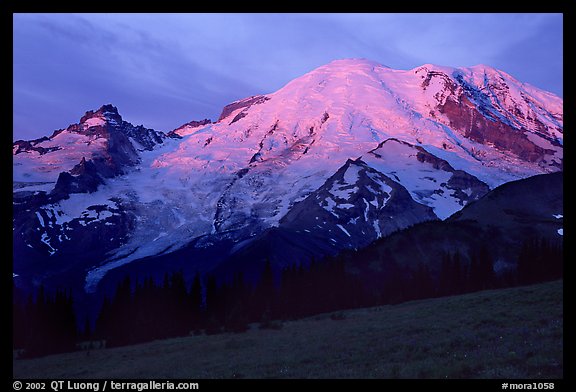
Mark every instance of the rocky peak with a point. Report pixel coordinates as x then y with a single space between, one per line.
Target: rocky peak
106 120
83 178
107 113
355 206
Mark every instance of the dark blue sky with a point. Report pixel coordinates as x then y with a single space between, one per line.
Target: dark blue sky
163 70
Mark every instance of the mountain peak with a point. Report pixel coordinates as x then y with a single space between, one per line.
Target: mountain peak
106 113
360 103
348 66
108 109
353 62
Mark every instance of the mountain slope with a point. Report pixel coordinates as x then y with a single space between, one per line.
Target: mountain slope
432 181
501 222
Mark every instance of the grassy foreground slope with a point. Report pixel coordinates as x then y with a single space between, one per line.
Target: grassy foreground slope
508 333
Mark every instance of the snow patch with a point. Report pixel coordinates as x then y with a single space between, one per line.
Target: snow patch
352 174
162 234
40 218
94 122
344 230
46 239
341 193
330 206
376 225
366 210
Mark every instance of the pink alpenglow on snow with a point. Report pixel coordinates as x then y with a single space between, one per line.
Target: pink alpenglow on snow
445 134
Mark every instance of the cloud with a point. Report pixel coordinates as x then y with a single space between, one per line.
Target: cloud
78 62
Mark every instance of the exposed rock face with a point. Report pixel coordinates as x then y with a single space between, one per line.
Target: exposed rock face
206 121
83 178
356 206
491 115
53 244
242 104
20 146
175 134
473 125
431 180
466 187
459 181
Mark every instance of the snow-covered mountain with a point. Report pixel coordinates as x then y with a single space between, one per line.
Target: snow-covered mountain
347 153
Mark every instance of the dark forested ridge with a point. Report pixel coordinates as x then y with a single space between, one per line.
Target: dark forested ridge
149 309
43 324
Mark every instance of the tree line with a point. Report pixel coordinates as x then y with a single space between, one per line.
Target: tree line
43 324
149 309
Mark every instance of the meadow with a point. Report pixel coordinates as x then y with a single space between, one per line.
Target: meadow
506 333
